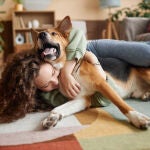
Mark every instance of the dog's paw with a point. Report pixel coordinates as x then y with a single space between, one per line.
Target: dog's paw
51 120
146 96
138 119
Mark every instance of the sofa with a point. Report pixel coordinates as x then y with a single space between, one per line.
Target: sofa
135 29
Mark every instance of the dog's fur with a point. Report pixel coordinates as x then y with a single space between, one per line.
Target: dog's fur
132 82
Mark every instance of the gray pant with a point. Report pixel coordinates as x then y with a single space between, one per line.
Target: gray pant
135 53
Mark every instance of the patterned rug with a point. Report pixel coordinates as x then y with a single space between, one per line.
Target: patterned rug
93 129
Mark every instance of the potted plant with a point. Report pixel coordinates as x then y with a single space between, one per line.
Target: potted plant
1 43
19 5
1 39
142 10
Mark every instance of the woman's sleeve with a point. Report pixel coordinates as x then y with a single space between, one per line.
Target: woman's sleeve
135 53
77 45
53 98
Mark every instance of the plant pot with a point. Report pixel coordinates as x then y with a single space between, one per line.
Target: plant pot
19 7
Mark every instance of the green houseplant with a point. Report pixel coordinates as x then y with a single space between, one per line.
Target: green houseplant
18 1
141 10
1 28
1 31
1 39
1 44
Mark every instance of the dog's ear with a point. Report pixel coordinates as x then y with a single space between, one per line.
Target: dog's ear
34 34
65 26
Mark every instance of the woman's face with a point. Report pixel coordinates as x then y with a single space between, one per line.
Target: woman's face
47 79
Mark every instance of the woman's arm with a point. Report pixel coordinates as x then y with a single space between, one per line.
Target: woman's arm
74 51
69 86
90 57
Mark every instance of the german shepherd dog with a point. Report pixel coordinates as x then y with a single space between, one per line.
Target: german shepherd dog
51 44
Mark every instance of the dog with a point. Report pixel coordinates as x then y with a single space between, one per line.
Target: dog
50 45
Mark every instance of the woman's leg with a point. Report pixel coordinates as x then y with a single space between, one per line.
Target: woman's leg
135 53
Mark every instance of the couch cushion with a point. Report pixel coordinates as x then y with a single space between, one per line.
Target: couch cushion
148 27
143 37
133 26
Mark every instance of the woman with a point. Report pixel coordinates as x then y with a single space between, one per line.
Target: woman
134 53
22 76
18 85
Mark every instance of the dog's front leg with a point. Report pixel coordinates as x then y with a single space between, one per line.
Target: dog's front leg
137 119
64 110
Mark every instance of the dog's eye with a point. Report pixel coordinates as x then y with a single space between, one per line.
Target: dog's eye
53 33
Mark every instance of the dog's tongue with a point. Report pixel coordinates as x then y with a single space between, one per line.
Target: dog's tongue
51 51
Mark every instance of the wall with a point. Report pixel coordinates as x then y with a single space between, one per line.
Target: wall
77 9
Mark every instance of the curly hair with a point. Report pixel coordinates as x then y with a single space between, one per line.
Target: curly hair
18 91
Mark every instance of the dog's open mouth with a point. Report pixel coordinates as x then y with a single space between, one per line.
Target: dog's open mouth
50 51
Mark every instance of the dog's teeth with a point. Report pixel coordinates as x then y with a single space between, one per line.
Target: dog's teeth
54 49
47 51
51 51
54 57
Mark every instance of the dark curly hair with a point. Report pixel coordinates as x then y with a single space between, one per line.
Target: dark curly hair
17 89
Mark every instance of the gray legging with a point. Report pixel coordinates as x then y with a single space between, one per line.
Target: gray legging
135 53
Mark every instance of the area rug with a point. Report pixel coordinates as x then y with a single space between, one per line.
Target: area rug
94 129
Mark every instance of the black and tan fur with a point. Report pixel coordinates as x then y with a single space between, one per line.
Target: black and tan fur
134 82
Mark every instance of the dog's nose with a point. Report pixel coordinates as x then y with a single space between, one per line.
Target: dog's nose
42 35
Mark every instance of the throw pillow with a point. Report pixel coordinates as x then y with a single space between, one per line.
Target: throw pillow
143 37
148 27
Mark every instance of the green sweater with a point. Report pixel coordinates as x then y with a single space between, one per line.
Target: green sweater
55 98
75 50
77 45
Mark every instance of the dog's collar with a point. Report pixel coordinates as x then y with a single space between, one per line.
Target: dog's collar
106 78
98 63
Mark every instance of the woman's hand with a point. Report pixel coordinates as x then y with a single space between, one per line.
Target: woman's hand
68 85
